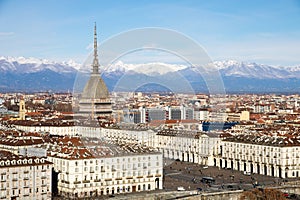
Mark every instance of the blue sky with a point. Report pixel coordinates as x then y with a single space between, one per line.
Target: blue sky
254 31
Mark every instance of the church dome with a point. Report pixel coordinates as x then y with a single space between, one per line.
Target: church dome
95 88
95 100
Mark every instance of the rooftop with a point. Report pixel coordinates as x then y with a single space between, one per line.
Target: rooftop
265 140
8 159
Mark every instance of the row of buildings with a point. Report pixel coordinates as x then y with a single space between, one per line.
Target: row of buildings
255 148
78 166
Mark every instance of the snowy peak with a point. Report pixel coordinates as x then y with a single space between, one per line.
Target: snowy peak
225 64
151 69
30 65
254 70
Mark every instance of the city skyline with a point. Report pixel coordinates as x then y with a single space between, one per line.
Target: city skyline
264 32
149 99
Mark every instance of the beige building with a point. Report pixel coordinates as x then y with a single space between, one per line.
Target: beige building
189 146
267 155
90 167
22 110
245 115
24 177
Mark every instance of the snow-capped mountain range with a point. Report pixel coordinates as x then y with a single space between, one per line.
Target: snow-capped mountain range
254 70
19 73
31 65
227 68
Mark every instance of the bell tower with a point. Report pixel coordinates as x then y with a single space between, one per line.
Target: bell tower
22 110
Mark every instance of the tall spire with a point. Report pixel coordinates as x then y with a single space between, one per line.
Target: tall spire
95 61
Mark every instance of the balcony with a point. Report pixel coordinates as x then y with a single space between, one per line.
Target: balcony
26 178
149 176
129 177
15 179
77 182
43 177
97 180
108 179
26 172
85 181
157 175
120 178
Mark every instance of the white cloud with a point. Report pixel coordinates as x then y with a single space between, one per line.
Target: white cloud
6 33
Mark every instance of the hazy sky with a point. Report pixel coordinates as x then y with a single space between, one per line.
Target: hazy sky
256 31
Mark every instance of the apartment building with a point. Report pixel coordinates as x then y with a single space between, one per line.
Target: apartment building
189 146
24 177
268 155
90 167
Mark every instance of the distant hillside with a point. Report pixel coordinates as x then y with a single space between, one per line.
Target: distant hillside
30 74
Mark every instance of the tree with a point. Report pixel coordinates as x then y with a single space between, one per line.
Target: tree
262 194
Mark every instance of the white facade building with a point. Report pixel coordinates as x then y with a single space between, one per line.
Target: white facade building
272 156
24 177
205 145
104 168
54 129
188 146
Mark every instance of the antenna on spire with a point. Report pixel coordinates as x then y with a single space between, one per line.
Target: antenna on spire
95 61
